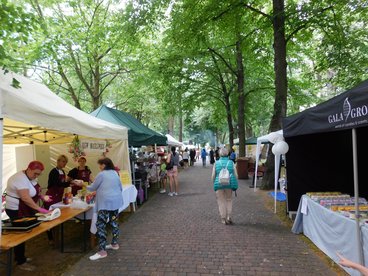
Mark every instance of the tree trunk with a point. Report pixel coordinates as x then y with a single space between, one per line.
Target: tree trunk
241 97
170 126
280 66
180 120
229 118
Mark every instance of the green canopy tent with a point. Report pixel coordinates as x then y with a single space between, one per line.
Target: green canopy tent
138 134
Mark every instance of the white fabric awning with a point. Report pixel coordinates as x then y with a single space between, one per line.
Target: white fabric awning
260 140
34 114
171 141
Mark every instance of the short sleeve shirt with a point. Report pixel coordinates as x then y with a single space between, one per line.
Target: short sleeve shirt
18 181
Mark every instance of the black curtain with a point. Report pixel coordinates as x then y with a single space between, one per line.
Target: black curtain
362 138
323 162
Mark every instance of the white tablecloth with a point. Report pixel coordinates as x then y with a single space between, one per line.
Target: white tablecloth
330 231
129 196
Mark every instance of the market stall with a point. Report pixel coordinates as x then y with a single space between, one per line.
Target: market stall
31 114
138 134
327 151
331 227
171 141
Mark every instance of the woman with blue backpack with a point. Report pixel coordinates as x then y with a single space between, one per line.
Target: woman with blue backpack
225 181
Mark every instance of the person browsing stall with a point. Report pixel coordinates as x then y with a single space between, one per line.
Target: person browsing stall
22 194
82 172
163 176
109 199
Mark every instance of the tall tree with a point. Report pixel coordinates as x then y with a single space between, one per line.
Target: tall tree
86 47
16 27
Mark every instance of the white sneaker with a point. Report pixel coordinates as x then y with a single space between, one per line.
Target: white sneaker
113 247
170 194
163 191
97 256
27 267
175 194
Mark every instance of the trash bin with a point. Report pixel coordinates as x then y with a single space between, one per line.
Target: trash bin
242 167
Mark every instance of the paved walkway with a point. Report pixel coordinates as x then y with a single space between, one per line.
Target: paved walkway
183 236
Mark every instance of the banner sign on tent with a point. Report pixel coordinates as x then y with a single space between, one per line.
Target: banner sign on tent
345 111
93 145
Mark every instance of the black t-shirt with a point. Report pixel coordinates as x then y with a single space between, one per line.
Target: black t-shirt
57 179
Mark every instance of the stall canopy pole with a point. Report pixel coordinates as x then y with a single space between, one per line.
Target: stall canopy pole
1 147
277 164
1 153
133 166
258 148
156 164
356 196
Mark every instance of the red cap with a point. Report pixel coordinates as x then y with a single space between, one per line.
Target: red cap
36 165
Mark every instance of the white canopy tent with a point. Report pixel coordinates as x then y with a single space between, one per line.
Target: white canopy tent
171 141
269 138
31 114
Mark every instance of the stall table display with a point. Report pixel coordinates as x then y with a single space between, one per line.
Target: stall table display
328 220
11 239
129 197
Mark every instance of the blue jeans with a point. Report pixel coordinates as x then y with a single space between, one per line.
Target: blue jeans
204 161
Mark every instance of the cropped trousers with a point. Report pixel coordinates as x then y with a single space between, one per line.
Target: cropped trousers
225 202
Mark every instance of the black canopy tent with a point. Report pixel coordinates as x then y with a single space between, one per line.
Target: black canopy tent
327 147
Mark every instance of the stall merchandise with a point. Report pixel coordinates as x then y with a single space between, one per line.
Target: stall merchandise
341 203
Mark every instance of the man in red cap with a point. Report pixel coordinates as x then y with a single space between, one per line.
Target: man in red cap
22 195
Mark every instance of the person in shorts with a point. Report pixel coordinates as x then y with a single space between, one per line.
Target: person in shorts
172 171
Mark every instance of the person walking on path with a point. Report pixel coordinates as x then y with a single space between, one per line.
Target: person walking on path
217 153
186 158
172 171
192 155
224 189
204 157
109 199
212 156
233 155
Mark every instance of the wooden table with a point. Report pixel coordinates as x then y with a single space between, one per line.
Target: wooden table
9 240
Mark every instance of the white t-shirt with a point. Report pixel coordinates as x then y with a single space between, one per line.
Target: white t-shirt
185 155
18 181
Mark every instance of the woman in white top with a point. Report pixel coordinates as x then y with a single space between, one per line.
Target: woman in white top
186 158
22 195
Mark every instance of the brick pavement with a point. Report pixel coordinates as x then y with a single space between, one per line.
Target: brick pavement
183 236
